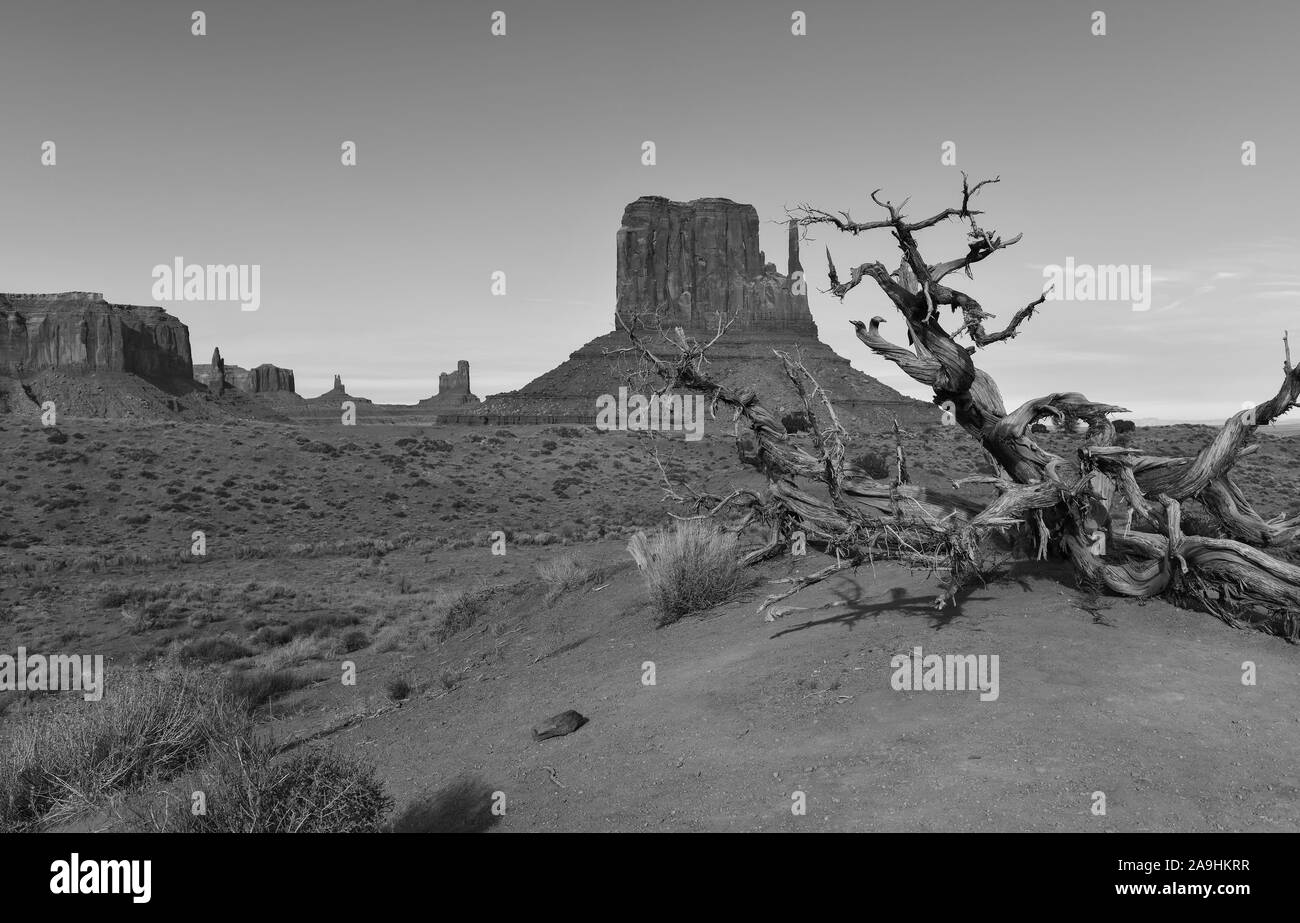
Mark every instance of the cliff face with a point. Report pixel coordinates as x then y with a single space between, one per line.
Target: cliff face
81 331
693 260
267 377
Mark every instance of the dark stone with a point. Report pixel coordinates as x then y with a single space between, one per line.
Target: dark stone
563 723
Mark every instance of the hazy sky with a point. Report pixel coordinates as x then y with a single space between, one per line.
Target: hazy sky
478 153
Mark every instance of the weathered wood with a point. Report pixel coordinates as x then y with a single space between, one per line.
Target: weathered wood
1066 503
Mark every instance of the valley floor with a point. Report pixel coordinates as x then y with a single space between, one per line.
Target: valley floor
370 545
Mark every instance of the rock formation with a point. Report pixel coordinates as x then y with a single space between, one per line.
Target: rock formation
267 377
688 262
694 261
96 359
217 375
336 394
80 331
264 379
453 389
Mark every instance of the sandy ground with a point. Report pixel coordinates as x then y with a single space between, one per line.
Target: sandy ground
1144 703
1139 701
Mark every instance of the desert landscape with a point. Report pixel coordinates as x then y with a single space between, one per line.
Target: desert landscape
372 544
590 418
399 598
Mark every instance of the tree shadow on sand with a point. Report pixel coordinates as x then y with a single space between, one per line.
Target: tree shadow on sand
463 805
854 608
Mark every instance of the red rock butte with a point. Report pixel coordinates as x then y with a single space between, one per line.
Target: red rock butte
687 263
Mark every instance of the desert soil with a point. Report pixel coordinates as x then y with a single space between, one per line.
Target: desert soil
384 529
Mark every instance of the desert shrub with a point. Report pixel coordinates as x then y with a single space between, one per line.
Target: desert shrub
212 650
300 650
251 688
796 422
561 575
462 609
252 790
61 760
138 620
1124 426
397 689
1040 428
355 640
273 635
876 464
688 567
323 624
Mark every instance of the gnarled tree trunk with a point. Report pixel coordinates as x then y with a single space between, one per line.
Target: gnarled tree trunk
1067 503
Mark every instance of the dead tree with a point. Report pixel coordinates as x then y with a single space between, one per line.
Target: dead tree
1115 512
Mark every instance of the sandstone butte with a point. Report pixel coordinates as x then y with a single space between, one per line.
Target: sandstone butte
690 262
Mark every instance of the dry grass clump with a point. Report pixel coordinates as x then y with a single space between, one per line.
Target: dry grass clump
249 788
461 610
59 761
259 685
562 574
687 567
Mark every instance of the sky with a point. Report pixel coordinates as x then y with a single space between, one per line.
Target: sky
478 153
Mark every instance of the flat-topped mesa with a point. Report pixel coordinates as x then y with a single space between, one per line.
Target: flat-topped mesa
690 261
80 331
267 377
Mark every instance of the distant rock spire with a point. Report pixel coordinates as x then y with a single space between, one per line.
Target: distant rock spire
338 383
217 381
453 389
794 264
